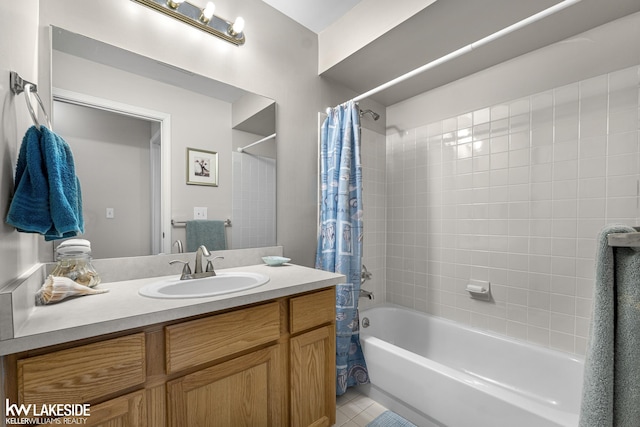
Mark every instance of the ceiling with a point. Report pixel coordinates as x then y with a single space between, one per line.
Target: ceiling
316 15
443 27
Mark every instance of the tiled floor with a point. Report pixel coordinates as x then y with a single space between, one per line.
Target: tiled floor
354 409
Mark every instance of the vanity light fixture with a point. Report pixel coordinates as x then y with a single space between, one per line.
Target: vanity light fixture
173 4
203 19
207 13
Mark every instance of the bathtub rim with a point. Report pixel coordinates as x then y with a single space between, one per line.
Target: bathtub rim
495 335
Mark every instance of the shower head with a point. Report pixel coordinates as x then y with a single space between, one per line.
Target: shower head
375 115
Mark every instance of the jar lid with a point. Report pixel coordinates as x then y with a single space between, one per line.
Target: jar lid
74 247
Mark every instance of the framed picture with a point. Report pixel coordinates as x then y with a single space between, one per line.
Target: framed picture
202 167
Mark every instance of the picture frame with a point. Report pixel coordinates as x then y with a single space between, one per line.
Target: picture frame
202 167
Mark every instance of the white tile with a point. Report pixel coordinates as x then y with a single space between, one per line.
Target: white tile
481 116
561 341
540 300
562 304
517 330
620 186
542 173
539 318
593 145
623 121
623 143
590 188
622 207
591 208
592 167
564 208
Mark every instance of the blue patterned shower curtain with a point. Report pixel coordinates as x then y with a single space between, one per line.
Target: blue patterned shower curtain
340 234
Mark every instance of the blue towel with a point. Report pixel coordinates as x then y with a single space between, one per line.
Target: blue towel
206 232
47 198
611 390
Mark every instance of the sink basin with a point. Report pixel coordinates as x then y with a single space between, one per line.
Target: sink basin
223 283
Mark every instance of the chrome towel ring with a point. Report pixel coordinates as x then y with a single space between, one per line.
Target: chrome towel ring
19 85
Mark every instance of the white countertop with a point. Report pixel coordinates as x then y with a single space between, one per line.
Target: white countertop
122 308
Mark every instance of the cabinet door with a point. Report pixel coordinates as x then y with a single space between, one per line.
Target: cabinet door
313 378
124 411
245 391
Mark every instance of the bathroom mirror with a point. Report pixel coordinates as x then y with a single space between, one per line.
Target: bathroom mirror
130 121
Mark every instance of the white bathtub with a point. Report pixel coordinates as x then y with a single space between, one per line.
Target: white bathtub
437 372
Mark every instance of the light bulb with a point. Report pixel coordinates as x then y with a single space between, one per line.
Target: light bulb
173 4
207 12
237 26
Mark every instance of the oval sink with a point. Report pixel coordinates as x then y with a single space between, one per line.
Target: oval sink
223 283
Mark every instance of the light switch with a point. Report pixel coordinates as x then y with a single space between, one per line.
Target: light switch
199 213
111 213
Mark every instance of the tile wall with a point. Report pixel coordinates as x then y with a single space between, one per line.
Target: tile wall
514 194
253 201
375 221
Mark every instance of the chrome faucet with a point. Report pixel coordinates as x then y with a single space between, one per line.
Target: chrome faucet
178 243
186 270
210 271
202 250
198 273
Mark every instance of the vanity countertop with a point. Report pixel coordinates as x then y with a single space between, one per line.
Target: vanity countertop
122 308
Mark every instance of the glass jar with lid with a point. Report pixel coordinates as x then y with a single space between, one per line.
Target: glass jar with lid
74 262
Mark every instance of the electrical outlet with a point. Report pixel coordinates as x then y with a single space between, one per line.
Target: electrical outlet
111 213
199 213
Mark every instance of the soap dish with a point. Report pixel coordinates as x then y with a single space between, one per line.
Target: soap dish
275 261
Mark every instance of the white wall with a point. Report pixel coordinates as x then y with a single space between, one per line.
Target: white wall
507 176
18 52
364 23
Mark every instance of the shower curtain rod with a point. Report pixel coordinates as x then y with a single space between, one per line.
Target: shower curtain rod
266 138
468 48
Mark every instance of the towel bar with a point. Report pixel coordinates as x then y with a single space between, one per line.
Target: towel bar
625 240
227 223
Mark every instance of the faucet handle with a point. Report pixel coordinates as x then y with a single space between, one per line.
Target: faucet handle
210 264
186 270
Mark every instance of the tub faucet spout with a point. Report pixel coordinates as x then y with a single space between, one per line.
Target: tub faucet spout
366 294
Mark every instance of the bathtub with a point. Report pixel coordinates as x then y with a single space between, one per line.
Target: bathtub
436 372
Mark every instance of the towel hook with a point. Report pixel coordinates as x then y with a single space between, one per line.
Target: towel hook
19 85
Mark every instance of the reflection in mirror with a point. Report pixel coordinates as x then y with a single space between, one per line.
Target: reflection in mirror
129 121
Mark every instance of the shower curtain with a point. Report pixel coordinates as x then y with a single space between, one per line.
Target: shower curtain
340 234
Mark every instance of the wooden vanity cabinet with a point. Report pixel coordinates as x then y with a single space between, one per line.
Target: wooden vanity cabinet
269 364
244 387
313 359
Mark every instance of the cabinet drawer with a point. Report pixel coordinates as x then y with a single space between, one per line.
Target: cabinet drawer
311 310
204 340
84 373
